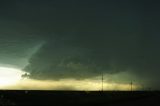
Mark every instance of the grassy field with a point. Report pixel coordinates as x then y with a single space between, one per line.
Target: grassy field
55 98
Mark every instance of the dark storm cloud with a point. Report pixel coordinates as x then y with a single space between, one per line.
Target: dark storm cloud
17 39
86 38
99 38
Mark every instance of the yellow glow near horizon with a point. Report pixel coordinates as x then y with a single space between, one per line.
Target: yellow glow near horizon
84 85
9 76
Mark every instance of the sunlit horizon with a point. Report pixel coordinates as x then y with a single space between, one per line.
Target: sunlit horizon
11 79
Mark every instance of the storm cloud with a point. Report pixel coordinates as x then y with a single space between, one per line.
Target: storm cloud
83 39
91 55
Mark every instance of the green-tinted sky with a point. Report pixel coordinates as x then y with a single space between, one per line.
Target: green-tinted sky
56 39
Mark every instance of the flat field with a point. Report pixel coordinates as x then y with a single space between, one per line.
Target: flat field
99 98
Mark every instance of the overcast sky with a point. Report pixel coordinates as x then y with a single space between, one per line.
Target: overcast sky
79 39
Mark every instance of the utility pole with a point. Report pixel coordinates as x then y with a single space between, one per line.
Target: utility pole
102 82
131 86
